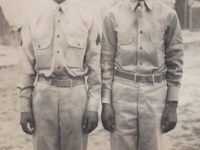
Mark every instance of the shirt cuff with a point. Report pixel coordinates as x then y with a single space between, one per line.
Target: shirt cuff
173 93
93 103
26 100
106 96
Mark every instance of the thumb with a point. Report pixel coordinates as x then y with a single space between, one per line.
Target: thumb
84 122
112 123
32 126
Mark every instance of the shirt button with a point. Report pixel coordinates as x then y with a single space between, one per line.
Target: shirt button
58 36
140 48
141 32
59 67
78 44
58 20
140 63
58 52
38 46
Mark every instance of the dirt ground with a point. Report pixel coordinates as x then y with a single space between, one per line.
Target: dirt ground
186 136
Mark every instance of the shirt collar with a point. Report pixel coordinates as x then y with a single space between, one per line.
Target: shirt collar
149 4
55 6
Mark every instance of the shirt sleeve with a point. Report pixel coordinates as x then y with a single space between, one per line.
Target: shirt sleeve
109 46
94 71
174 57
27 71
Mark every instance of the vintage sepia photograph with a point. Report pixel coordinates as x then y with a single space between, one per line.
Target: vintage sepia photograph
99 74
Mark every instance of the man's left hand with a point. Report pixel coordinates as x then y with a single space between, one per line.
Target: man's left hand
90 121
169 118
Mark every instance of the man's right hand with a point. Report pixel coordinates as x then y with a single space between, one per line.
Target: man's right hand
27 122
108 117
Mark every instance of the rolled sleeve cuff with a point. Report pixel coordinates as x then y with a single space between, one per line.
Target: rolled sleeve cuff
106 96
173 93
93 104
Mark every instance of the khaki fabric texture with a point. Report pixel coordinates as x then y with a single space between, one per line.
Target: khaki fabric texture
144 42
138 111
58 114
60 41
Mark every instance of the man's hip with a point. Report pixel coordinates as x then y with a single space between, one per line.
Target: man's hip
58 113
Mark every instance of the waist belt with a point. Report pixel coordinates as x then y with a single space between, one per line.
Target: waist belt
141 78
59 82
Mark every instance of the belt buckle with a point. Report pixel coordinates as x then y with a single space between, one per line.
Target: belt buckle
143 79
65 83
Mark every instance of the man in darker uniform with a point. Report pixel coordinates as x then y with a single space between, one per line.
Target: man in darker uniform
142 62
60 47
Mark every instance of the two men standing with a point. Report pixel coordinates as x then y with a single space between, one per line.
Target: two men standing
141 61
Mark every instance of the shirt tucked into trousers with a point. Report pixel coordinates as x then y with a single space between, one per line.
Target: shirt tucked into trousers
60 42
140 38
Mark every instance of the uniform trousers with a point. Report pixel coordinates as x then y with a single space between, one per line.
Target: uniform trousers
58 113
138 111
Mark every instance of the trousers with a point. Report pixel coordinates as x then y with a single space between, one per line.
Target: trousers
138 111
58 113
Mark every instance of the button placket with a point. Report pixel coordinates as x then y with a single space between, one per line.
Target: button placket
140 39
57 47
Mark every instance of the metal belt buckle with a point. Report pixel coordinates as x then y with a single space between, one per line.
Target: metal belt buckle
65 83
143 79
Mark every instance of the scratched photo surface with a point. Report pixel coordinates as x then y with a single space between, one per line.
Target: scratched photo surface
13 13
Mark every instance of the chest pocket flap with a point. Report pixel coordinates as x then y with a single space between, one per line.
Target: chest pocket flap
41 44
124 38
77 42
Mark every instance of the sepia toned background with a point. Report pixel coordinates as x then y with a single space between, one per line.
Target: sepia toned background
13 14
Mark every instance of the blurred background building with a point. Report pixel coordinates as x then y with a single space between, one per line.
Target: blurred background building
13 14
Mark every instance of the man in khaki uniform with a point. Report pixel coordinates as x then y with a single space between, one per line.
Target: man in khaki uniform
60 47
142 65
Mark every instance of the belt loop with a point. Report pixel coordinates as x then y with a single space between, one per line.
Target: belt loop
50 81
161 78
36 79
153 79
71 83
135 76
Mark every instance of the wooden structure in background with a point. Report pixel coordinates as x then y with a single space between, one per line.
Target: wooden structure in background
194 18
182 10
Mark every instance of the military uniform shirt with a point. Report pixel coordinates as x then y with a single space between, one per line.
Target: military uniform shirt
145 43
59 40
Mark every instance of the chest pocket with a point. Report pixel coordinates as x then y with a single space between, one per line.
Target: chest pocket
157 56
124 38
43 53
126 52
157 36
76 52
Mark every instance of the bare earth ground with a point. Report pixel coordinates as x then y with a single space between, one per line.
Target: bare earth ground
186 136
